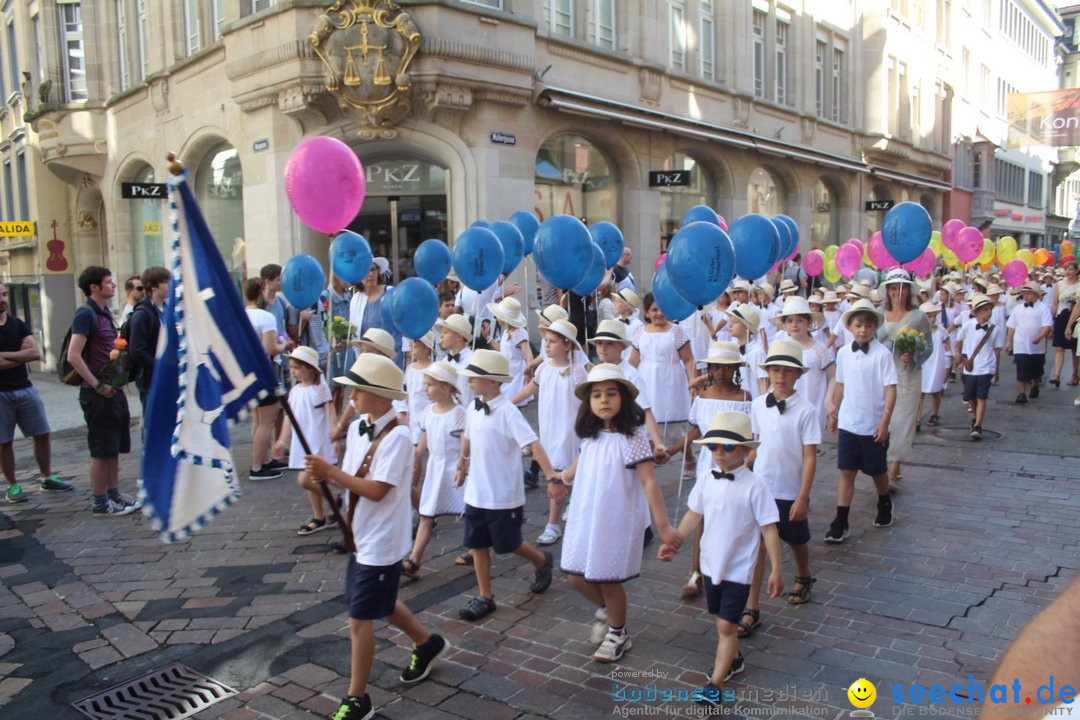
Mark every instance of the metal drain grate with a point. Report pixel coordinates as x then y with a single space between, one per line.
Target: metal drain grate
171 693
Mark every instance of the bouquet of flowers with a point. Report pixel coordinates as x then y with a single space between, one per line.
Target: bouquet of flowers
117 370
909 341
341 329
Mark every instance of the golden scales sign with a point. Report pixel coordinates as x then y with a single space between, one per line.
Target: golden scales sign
366 47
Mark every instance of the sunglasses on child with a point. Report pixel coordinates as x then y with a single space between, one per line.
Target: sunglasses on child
726 447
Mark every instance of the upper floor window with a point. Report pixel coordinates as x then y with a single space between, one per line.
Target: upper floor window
191 25
782 94
13 52
122 44
820 51
72 55
217 19
260 5
707 41
560 16
678 35
141 31
759 53
604 23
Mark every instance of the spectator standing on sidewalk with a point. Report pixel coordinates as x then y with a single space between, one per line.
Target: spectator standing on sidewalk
145 325
104 407
20 404
136 291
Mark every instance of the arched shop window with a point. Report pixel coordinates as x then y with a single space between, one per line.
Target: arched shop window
219 187
824 228
574 177
676 200
764 194
147 234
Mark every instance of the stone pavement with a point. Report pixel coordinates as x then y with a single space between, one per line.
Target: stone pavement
985 536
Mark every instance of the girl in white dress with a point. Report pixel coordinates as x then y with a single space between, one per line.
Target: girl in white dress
512 342
662 354
312 405
554 381
718 390
933 370
615 481
411 409
441 426
719 328
798 322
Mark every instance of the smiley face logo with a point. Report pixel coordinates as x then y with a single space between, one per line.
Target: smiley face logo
862 693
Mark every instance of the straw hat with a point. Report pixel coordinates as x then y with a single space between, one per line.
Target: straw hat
979 282
876 297
830 297
509 311
928 307
858 292
604 372
452 275
787 286
729 428
863 305
552 313
897 276
456 323
815 299
628 296
745 314
612 331
979 300
994 289
740 286
766 288
865 283
427 339
723 352
795 305
377 340
564 329
304 354
488 365
1032 287
375 374
784 353
443 372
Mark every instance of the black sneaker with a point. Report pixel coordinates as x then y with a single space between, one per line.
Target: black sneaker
838 531
477 608
976 433
264 473
423 656
275 464
1021 399
711 696
884 514
542 575
737 666
354 708
1034 392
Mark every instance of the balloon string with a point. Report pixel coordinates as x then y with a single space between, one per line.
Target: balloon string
585 322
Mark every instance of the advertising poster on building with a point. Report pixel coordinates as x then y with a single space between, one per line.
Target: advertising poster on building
1044 118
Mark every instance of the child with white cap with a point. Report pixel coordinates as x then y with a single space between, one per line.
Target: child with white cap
512 340
1029 325
744 333
411 409
456 332
797 321
933 370
977 359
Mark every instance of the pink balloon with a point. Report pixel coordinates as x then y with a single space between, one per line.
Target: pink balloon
723 223
659 261
922 265
857 243
1015 273
968 244
875 248
949 231
325 183
847 260
814 263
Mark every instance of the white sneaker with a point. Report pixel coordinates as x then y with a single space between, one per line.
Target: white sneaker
597 632
551 535
1076 401
612 648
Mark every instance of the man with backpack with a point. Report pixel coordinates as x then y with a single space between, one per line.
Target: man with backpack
104 406
141 330
21 405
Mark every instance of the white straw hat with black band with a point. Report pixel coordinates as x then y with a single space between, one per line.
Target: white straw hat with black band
796 305
456 323
784 353
604 372
729 428
377 340
427 339
564 329
629 297
306 355
862 306
612 331
487 365
443 372
724 352
897 276
376 374
509 311
746 315
552 313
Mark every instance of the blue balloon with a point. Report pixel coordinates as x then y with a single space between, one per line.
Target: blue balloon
594 275
563 252
350 256
610 239
302 279
700 262
527 223
757 242
432 261
700 213
414 307
786 240
906 231
478 258
513 244
386 301
481 224
671 303
793 228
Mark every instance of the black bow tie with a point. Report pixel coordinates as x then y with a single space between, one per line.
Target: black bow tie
453 358
742 349
625 320
982 327
1029 304
479 404
856 346
721 475
365 429
771 401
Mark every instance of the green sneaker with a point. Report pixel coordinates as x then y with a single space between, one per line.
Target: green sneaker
55 484
15 494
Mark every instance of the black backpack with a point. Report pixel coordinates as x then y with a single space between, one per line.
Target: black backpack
64 369
133 369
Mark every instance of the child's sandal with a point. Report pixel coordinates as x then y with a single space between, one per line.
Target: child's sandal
746 629
801 595
410 569
693 587
934 421
463 559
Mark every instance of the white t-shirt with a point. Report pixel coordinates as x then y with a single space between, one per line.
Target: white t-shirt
985 363
734 512
779 458
1029 322
753 355
262 321
842 332
643 399
475 304
495 445
864 376
382 529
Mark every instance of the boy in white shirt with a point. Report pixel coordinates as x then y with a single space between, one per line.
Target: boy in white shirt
865 369
978 359
377 473
744 321
455 334
739 513
1029 325
490 464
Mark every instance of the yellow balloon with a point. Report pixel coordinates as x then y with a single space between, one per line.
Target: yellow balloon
936 244
951 261
868 262
987 254
830 252
1027 257
1007 243
832 274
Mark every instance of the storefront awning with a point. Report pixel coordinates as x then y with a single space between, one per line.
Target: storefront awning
903 177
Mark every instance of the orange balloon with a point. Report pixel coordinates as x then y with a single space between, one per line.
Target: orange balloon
1066 247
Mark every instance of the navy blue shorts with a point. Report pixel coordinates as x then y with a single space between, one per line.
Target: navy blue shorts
977 387
370 590
1029 368
860 452
793 533
496 529
726 600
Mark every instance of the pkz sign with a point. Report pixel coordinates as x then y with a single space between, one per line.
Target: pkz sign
878 205
143 191
669 178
